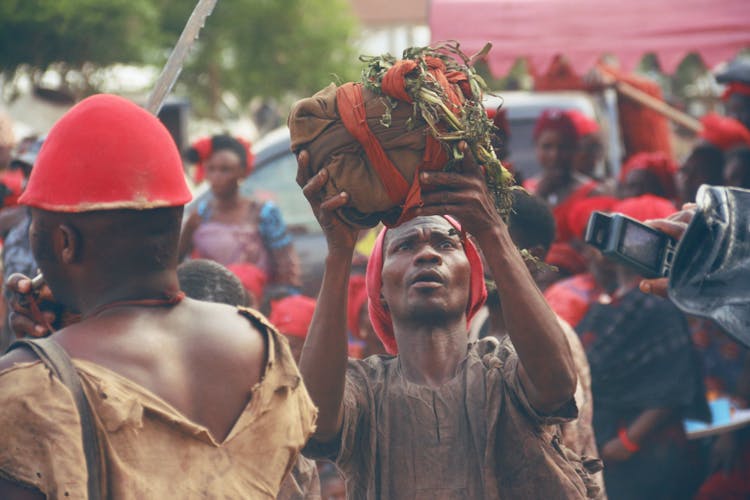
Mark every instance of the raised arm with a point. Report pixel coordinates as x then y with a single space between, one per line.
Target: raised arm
324 355
547 371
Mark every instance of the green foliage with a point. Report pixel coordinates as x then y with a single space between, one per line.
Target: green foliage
268 48
39 33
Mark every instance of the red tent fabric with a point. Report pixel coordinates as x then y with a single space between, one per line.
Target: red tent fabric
584 30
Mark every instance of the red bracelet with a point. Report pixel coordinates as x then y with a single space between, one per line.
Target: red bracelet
629 445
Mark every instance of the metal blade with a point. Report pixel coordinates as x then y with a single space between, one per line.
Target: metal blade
176 60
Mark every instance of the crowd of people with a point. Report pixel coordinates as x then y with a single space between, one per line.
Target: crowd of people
442 362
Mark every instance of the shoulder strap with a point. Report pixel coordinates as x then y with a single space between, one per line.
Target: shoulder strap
57 360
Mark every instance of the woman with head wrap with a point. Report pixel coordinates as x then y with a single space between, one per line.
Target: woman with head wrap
555 141
231 228
648 173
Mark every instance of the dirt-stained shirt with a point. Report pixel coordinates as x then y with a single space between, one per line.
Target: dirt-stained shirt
477 436
150 449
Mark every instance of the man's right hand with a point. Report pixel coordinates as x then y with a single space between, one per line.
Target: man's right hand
675 226
339 235
23 320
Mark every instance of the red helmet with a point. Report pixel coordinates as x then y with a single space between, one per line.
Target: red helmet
106 153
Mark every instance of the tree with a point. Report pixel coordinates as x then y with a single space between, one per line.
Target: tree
267 48
74 35
249 48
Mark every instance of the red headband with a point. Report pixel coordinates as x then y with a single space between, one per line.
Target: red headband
735 88
381 318
557 120
723 132
645 207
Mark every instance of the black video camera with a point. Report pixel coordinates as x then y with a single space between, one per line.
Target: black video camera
632 243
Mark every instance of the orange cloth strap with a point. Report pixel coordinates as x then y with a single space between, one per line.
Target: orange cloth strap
351 108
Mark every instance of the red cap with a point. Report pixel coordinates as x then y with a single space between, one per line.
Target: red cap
723 132
253 279
558 120
106 153
645 207
577 217
292 315
585 125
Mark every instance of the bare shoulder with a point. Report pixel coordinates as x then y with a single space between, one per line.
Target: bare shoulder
221 331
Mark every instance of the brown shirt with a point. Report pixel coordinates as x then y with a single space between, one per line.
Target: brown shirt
150 449
475 437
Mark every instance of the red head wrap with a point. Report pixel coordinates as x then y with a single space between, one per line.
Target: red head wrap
253 279
292 315
357 300
381 318
106 153
566 257
578 216
657 163
558 120
645 207
723 132
584 124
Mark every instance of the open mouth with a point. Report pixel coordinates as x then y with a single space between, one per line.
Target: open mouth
429 279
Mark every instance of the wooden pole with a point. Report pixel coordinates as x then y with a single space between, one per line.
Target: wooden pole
655 104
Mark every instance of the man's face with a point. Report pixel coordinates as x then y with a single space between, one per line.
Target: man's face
689 178
426 274
588 153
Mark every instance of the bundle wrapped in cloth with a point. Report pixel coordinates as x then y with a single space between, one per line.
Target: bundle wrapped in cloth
406 116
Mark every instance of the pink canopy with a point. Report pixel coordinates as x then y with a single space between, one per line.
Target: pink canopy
584 30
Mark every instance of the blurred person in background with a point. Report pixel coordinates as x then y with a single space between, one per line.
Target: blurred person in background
556 142
230 228
646 379
358 319
737 168
704 165
254 281
571 297
736 96
292 316
7 140
590 151
648 173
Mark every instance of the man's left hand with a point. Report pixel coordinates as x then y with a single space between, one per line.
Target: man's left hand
463 195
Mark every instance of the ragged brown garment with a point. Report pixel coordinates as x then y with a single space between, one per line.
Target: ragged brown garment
150 449
578 435
475 437
302 483
315 126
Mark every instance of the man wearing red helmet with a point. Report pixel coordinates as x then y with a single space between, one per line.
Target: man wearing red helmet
188 398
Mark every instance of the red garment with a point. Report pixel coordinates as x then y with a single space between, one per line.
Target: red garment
735 88
584 124
253 278
558 120
560 212
565 257
571 298
657 163
357 300
292 315
381 318
645 207
723 132
579 213
732 486
107 153
13 180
